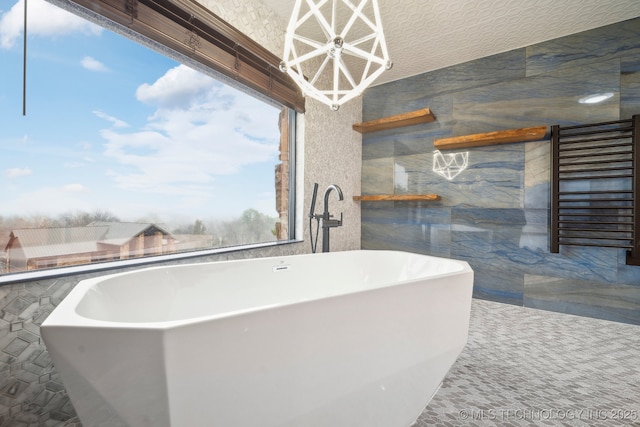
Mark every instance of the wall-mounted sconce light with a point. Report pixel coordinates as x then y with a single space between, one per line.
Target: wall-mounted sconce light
334 49
450 165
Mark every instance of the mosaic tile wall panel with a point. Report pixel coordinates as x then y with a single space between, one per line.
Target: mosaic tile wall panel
495 213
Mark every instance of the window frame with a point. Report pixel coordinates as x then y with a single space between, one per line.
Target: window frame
277 90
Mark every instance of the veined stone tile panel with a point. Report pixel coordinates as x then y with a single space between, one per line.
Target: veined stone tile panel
435 216
535 233
494 238
629 274
537 196
419 142
546 99
582 291
481 72
409 215
496 281
494 177
629 64
414 237
585 263
411 139
386 236
491 285
377 176
488 237
422 229
491 219
537 158
618 302
482 230
377 145
630 90
429 229
577 50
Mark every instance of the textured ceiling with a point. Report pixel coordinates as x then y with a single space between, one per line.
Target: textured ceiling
424 35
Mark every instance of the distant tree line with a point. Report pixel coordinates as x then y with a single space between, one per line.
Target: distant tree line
251 226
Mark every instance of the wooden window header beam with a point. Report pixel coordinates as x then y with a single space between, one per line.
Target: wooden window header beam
195 32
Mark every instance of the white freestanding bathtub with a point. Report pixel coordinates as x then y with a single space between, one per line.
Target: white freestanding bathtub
341 339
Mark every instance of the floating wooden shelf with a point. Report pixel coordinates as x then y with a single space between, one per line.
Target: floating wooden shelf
492 138
398 197
406 119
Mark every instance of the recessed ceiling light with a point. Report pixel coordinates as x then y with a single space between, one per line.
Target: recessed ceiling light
595 98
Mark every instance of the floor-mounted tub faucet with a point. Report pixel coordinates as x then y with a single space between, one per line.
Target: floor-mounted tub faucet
327 222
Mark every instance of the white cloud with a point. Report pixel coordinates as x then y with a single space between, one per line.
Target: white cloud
44 19
116 122
93 64
17 172
74 188
201 130
177 88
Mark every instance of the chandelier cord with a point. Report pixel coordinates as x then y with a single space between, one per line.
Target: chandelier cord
24 64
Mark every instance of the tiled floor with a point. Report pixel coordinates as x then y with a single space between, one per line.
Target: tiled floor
524 367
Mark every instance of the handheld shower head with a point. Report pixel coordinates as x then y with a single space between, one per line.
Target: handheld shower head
312 209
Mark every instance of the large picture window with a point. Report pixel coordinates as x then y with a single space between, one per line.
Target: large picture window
126 153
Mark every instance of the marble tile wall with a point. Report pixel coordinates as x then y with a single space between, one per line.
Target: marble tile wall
495 213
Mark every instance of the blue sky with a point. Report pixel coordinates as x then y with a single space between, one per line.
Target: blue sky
112 125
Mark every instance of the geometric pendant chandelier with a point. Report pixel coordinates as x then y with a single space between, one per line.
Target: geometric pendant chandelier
334 49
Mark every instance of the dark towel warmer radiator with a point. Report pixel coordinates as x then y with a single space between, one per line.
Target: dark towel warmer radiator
595 186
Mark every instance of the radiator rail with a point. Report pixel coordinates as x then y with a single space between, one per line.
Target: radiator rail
595 186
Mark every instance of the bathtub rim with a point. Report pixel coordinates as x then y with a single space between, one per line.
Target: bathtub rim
65 313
